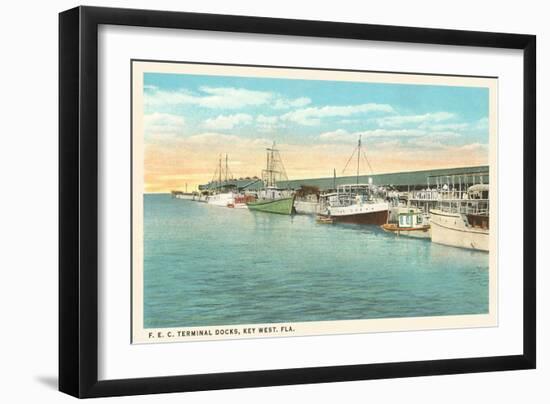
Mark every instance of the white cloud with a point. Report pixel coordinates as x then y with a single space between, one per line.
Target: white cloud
426 143
481 125
266 123
210 97
227 121
313 115
229 97
342 135
403 140
267 119
474 147
400 120
163 123
445 126
454 129
285 103
444 134
348 121
338 134
210 139
221 98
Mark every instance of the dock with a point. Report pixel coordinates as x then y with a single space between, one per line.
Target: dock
400 181
457 198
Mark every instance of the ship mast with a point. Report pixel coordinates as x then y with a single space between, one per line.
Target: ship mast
275 170
267 167
270 167
358 158
226 168
359 155
221 176
220 172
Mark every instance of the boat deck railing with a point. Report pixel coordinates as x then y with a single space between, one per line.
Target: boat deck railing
465 206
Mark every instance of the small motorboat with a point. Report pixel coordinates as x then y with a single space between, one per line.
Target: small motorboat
412 223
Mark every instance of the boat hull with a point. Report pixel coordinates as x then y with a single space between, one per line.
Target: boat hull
450 229
281 206
377 218
368 213
417 232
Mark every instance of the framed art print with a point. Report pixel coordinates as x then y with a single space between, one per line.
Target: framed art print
249 201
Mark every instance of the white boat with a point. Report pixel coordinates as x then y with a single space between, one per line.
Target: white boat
355 203
186 196
223 199
463 222
200 198
307 200
305 207
223 195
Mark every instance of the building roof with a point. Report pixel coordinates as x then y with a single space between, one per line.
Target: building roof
413 179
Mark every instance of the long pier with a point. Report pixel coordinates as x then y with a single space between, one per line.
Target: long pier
402 181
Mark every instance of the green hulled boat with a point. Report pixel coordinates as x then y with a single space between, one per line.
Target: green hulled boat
272 199
282 206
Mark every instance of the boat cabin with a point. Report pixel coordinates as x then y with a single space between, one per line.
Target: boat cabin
353 194
412 218
478 191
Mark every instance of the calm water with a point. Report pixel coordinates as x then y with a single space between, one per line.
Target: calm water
206 265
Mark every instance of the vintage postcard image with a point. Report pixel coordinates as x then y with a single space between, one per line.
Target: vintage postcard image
282 202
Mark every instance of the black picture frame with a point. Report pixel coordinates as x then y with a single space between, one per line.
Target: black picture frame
78 200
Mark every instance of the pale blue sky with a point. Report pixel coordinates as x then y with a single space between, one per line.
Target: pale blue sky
292 110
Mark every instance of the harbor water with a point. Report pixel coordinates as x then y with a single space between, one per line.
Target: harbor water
206 265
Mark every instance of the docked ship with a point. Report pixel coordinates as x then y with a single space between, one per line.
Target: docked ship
463 222
221 199
306 206
189 196
355 203
271 198
307 200
222 195
411 222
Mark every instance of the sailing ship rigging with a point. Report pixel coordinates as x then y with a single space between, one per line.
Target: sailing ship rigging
271 198
360 153
355 203
224 194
